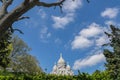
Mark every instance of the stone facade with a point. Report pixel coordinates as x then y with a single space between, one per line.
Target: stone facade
61 68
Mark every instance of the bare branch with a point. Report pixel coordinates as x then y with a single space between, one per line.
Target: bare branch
3 9
13 30
10 1
50 4
21 18
26 2
1 0
18 31
7 2
88 1
44 4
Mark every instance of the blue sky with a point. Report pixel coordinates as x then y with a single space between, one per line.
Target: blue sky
77 33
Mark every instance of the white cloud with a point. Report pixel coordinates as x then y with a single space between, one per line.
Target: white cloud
41 13
69 8
92 30
110 12
101 40
58 41
48 35
44 30
92 35
44 34
110 22
31 23
88 61
60 22
81 42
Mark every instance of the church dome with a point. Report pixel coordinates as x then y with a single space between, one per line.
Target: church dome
61 60
68 67
55 67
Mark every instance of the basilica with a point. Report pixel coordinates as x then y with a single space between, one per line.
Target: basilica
61 68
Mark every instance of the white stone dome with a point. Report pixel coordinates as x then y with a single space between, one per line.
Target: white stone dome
68 67
61 60
55 67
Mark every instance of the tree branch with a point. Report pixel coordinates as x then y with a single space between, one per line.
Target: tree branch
50 4
88 1
18 31
26 2
21 18
3 9
1 1
13 30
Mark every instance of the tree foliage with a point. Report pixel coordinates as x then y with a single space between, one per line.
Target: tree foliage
5 49
97 75
22 61
83 76
113 56
100 75
27 64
